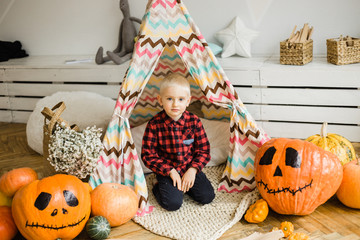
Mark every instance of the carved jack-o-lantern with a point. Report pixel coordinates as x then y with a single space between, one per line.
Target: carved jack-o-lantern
54 207
295 176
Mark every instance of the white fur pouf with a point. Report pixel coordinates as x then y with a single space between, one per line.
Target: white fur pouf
85 109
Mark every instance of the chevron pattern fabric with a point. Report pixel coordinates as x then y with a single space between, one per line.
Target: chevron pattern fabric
169 41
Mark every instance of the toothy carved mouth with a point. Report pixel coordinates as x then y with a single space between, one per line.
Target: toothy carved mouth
288 189
37 225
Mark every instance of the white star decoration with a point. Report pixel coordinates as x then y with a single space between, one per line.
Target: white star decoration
236 39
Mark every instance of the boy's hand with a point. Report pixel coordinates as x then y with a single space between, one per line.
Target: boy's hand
176 178
188 179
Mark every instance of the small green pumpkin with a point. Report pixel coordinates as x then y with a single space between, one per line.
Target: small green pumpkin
98 228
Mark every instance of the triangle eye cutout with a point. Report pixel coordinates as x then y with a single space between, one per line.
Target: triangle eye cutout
267 158
293 158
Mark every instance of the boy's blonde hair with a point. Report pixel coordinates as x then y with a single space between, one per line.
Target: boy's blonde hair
175 79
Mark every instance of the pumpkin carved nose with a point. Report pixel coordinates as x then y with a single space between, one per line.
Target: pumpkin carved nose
54 213
278 172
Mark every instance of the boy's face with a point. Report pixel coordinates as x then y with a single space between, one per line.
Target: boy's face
174 100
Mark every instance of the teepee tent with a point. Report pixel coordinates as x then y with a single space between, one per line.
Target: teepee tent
169 41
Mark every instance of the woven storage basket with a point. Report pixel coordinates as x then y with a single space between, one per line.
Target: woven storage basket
341 51
296 53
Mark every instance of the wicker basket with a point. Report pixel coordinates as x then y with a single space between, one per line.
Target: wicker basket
342 51
296 53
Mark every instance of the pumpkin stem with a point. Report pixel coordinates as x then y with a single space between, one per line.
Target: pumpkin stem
323 132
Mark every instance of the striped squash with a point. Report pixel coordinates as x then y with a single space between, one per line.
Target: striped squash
334 143
98 228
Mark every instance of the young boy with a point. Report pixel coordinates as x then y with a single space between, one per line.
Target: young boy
175 147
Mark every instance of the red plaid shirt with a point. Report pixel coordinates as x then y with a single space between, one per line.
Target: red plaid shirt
169 144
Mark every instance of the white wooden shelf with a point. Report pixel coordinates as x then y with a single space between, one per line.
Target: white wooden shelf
287 101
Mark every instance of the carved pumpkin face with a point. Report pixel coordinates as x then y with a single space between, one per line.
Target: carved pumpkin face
54 207
296 176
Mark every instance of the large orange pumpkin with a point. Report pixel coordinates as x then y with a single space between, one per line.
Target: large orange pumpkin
8 228
349 190
54 207
13 180
295 176
116 202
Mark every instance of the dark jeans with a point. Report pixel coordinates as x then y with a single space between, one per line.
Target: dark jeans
171 198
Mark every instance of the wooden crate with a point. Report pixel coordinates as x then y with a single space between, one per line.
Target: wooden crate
341 51
296 53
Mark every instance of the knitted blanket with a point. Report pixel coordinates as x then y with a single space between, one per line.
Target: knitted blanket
194 220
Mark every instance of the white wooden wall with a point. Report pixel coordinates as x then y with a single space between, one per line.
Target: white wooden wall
287 101
293 101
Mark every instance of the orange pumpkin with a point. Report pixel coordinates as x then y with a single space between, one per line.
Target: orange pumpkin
13 180
257 212
116 202
299 236
349 190
287 228
54 207
295 176
8 228
88 186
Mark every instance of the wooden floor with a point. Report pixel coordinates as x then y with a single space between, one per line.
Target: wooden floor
332 220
